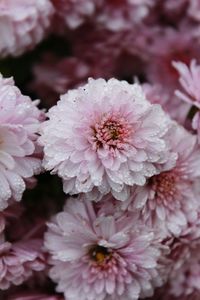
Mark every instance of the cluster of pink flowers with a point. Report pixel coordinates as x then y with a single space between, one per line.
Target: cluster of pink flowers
100 178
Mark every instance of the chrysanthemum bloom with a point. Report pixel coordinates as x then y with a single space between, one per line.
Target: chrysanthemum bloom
170 199
18 261
104 136
189 80
102 256
23 24
19 122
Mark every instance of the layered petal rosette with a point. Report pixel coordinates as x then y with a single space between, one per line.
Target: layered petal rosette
19 123
97 255
170 199
23 24
105 136
19 260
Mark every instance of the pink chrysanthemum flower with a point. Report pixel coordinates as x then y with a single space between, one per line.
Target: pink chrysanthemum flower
19 122
189 80
104 136
18 261
169 200
23 24
102 256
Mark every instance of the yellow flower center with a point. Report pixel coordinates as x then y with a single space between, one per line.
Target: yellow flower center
99 254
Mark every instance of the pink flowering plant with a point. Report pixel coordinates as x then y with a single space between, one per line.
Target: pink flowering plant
99 150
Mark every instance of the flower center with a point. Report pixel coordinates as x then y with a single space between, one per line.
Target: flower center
99 254
164 186
112 131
